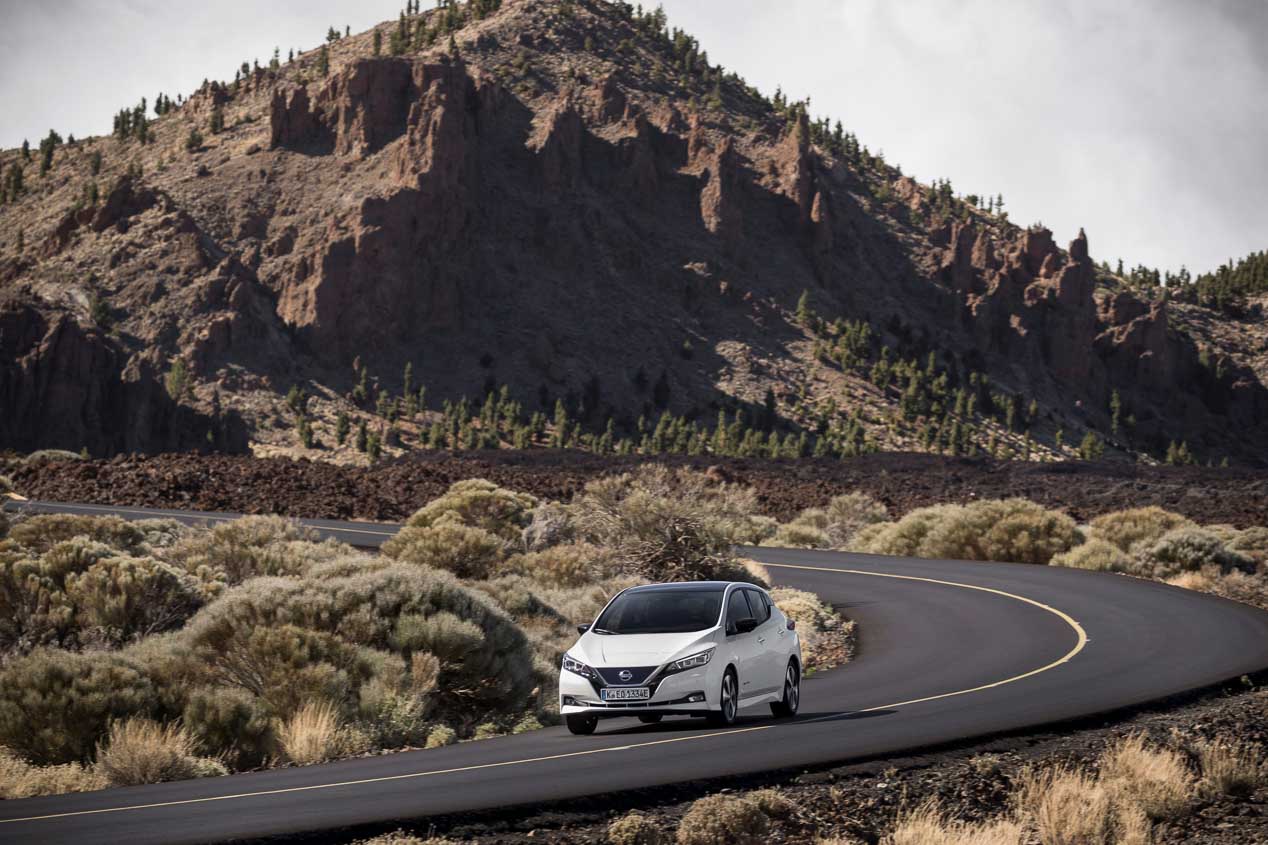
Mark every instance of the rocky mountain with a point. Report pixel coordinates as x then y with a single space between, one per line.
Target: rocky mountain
568 199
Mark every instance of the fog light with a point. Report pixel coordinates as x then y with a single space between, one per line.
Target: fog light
695 697
569 701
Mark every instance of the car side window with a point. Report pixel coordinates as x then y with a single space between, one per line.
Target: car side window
737 608
761 608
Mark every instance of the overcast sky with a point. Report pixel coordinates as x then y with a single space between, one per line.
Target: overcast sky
1144 121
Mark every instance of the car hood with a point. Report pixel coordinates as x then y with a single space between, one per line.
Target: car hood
638 649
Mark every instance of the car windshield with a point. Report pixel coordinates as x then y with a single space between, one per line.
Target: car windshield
671 611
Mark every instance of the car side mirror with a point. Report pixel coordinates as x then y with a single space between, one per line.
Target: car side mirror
744 626
792 624
581 629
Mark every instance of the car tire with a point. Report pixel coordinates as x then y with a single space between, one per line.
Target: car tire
650 718
581 724
787 706
728 700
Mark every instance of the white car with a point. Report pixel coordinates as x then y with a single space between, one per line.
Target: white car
703 648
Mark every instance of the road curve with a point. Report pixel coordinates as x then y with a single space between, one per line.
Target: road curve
948 650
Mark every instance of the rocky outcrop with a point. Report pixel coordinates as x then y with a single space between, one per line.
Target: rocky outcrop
293 122
720 205
795 163
557 143
367 103
69 387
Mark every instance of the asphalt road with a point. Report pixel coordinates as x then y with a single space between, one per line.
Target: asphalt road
948 650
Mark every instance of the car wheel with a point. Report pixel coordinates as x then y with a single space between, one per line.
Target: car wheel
581 723
650 718
788 705
729 703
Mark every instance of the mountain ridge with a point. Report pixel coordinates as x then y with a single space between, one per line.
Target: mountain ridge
568 199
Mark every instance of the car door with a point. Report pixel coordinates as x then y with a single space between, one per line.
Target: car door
769 645
742 647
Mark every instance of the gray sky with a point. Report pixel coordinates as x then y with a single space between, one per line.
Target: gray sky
1145 121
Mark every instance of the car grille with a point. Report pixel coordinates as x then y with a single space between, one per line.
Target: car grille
638 675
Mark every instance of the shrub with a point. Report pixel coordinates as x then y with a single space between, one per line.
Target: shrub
1156 780
346 631
799 535
549 525
478 503
392 718
772 802
723 820
634 829
19 779
667 525
1128 529
570 565
813 618
132 597
487 730
1228 770
466 551
231 722
440 736
52 455
848 513
1010 530
928 825
139 751
41 533
1097 554
1252 542
245 548
526 724
313 734
1187 549
54 705
1067 807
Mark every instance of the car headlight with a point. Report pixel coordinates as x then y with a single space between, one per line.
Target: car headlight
694 661
579 668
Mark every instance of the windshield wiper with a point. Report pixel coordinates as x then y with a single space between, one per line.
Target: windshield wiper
601 631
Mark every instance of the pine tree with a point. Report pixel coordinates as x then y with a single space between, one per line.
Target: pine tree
1116 410
378 42
342 427
363 441
323 61
217 119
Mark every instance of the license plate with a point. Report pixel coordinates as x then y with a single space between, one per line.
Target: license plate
626 694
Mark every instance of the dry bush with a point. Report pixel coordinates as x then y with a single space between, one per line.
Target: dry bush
723 820
55 705
466 551
1128 529
1010 530
1187 549
1253 542
1156 780
232 723
800 535
569 565
550 524
847 514
139 751
817 625
19 779
440 736
1202 582
1097 554
928 825
52 455
772 802
233 552
635 829
477 503
330 637
1229 770
1067 807
315 733
400 837
667 525
41 533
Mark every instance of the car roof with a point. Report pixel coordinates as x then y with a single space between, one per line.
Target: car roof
689 586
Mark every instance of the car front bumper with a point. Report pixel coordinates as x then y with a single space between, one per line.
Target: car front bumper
683 693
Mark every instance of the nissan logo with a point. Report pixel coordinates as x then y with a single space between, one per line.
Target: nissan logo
625 674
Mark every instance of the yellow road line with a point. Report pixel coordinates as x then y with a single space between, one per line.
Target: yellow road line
1081 643
386 778
1081 638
